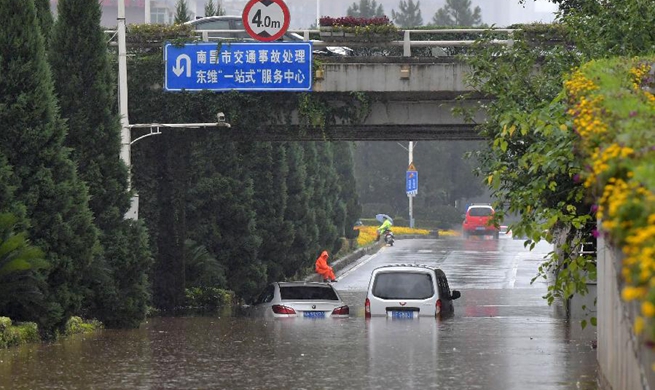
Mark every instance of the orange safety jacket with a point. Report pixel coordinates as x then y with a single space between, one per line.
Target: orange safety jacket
322 268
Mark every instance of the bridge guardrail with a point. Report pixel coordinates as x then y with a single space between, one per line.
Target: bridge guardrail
406 43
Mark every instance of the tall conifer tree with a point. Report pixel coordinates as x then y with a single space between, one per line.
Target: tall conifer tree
44 16
267 167
458 13
221 206
32 138
409 14
182 14
84 84
365 9
302 251
349 200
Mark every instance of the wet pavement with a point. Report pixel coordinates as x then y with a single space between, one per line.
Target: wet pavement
503 336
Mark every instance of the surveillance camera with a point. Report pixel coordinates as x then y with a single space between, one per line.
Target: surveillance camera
220 117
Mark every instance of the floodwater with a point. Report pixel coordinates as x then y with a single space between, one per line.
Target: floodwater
500 338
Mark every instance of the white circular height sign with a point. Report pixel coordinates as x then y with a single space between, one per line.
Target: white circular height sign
266 20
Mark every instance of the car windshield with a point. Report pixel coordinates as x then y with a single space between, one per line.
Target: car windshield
480 211
403 285
319 293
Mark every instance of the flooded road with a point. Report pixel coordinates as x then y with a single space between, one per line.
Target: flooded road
503 336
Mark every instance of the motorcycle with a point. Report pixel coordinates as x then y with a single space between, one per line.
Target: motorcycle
389 238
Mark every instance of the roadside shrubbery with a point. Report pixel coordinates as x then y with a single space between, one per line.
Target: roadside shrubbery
612 109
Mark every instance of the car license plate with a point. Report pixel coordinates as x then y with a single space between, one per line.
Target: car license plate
402 314
479 228
314 314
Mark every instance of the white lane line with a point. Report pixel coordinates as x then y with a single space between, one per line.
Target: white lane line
515 270
360 264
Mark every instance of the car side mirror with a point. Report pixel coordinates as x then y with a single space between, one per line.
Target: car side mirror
456 294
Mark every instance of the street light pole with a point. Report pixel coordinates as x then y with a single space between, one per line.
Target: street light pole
122 89
126 128
318 14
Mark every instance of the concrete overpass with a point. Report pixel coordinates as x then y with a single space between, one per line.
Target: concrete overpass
410 99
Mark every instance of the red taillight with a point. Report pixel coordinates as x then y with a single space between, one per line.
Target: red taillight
367 308
280 309
438 308
341 311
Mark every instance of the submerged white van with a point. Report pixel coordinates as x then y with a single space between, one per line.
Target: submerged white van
407 291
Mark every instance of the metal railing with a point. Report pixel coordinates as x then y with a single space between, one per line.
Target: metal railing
406 43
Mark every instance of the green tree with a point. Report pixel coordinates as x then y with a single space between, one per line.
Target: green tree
266 166
21 276
214 10
46 182
365 9
301 253
445 175
84 84
530 163
182 14
44 15
348 198
221 206
457 13
323 189
409 14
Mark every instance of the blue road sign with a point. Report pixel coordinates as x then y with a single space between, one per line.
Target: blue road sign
266 66
411 184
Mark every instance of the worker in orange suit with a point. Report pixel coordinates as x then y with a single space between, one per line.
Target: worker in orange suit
323 269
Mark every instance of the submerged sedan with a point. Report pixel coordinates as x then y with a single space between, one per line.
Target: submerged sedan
299 299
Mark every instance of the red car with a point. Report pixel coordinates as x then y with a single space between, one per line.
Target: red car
477 221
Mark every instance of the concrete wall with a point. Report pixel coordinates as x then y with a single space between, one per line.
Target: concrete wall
408 76
623 359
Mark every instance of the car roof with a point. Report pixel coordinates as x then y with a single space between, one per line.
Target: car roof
408 266
212 18
309 284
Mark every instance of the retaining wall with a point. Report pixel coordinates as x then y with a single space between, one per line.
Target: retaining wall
624 360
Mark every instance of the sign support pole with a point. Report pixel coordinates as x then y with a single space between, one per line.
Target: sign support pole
411 198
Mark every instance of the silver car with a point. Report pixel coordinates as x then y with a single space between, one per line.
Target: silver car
407 291
299 299
237 32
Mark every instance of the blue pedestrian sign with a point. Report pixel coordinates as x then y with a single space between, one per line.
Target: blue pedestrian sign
411 182
266 66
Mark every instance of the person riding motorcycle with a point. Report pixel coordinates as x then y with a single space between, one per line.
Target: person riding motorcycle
386 225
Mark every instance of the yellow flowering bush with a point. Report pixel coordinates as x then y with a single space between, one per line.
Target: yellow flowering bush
367 234
612 108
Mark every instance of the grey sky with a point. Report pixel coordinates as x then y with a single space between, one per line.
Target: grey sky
498 12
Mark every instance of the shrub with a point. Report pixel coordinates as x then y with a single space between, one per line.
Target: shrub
12 335
76 325
207 297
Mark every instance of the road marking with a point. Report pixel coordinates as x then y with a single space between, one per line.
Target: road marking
360 264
